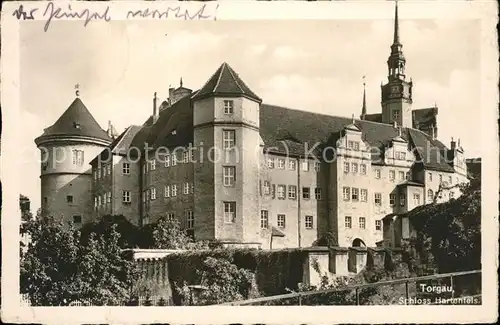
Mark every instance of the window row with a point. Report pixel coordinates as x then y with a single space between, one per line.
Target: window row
188 216
169 191
291 164
353 168
280 191
361 223
101 172
440 176
356 194
431 195
103 199
281 220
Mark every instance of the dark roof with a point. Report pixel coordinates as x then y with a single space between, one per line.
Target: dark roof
76 120
424 118
275 232
374 117
226 82
121 144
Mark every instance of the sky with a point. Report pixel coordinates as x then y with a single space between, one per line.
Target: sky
309 65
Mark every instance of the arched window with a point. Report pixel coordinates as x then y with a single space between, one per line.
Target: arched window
430 195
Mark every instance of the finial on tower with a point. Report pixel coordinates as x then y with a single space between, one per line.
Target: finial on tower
181 82
77 90
363 108
396 25
352 118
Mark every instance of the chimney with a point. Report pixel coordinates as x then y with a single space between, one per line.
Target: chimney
433 132
453 144
155 109
171 94
110 129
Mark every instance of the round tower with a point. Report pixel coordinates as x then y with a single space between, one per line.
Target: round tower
67 147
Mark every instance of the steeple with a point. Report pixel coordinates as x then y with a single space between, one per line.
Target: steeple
396 62
181 83
363 108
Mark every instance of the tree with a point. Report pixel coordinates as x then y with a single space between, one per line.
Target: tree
57 268
168 234
329 239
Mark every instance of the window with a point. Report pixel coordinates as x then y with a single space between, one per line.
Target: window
364 195
348 222
229 174
189 219
450 180
185 156
355 194
167 161
152 164
109 169
126 168
281 220
153 193
400 155
346 193
402 199
99 172
145 220
292 164
99 200
363 169
354 145
395 115
95 201
430 177
309 222
292 192
104 170
191 154
145 168
186 188
95 174
264 219
392 199
167 191
317 193
170 216
192 188
126 196
273 191
174 159
401 175
408 175
228 139
317 166
452 194
346 167
392 175
174 190
362 222
78 157
270 163
143 196
377 173
281 163
267 187
378 225
305 166
430 195
416 199
440 178
105 198
281 192
69 198
228 107
77 219
306 194
378 198
354 168
229 212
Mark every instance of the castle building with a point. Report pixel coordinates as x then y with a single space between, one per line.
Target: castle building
229 167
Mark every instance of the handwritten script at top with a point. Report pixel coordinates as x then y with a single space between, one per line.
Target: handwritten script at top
54 12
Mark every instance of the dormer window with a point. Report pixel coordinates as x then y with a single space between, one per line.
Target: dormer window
76 125
354 145
400 155
228 107
174 132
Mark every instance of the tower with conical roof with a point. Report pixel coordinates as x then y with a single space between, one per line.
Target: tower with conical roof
397 92
226 124
66 149
363 107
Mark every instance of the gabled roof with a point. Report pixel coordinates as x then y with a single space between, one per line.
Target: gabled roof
226 82
121 144
76 120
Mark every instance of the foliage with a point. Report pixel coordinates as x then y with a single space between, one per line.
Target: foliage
57 269
221 281
275 271
329 239
450 231
129 233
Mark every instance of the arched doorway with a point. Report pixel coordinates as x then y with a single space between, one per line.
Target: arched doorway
358 243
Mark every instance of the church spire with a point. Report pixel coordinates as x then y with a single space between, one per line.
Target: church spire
181 83
363 108
396 25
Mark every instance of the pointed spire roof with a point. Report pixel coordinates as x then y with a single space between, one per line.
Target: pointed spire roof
363 108
396 25
76 120
226 82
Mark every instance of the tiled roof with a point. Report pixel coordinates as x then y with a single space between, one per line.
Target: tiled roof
121 144
377 117
288 130
226 82
76 120
424 117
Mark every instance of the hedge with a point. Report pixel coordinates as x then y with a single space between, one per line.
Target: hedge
275 271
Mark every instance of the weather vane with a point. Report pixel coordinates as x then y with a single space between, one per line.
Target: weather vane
77 88
364 80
